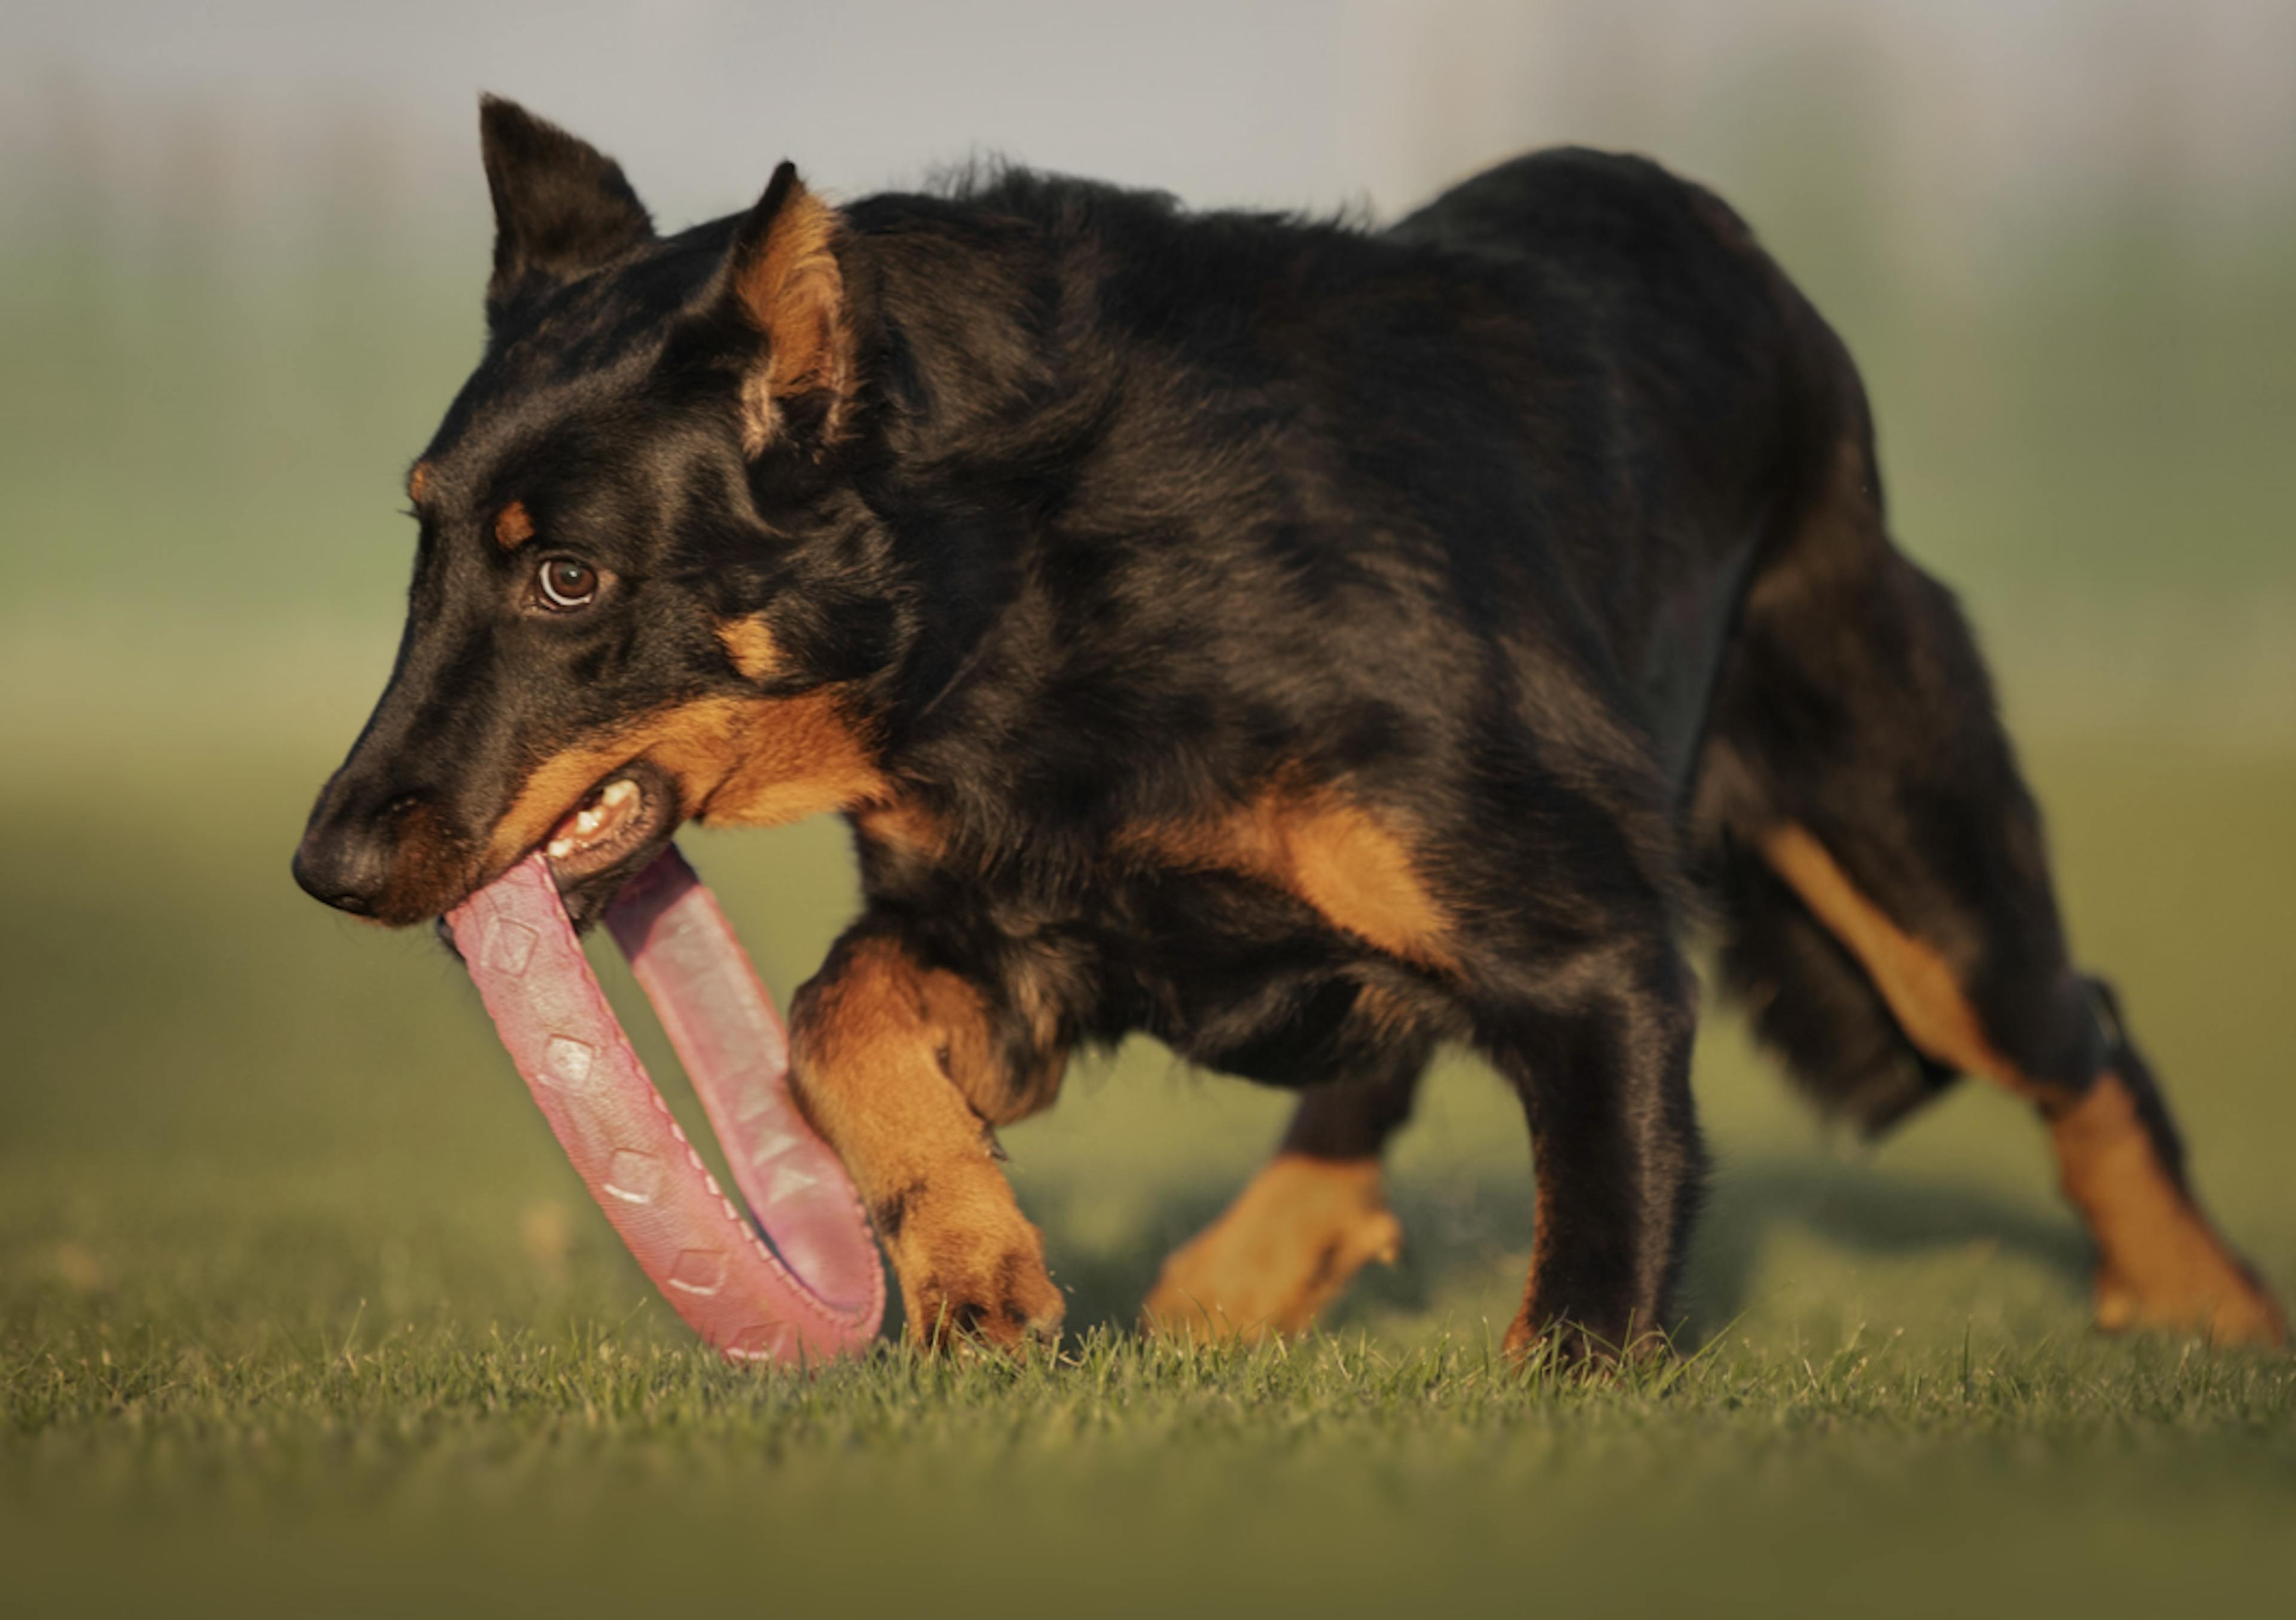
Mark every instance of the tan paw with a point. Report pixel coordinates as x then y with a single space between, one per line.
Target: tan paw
978 1281
2161 1264
1283 1250
2215 1299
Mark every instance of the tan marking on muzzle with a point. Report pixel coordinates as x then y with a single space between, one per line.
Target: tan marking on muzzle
750 762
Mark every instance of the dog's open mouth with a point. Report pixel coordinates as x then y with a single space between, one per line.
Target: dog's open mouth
627 817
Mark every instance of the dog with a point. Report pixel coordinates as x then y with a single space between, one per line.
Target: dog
1300 642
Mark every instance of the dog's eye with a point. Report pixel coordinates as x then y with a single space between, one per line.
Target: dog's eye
566 583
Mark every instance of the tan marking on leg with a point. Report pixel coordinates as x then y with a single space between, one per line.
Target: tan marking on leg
2160 1264
1282 1251
514 526
884 1053
984 1076
750 643
1343 861
1922 988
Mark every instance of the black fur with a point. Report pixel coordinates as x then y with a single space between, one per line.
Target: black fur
1544 524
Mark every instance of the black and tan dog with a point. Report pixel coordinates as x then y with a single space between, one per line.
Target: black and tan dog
1301 643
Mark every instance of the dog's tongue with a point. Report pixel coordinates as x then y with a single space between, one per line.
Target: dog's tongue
824 1293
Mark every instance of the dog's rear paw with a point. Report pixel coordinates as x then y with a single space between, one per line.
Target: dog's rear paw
1282 1251
2221 1302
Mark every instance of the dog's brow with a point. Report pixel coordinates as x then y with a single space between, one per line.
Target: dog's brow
418 478
514 528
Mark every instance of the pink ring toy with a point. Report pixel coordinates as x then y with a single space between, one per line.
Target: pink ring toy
824 1293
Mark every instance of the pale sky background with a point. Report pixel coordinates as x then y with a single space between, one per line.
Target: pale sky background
1974 110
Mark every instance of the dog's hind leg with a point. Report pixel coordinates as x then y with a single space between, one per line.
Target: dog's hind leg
1888 906
1312 1217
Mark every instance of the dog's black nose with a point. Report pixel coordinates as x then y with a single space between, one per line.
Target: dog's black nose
347 866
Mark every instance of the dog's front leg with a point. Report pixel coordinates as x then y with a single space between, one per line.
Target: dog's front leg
891 1061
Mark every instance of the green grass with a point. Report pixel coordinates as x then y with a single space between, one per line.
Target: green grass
300 1311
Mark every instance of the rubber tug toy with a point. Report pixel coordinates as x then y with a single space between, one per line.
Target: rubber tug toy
818 1292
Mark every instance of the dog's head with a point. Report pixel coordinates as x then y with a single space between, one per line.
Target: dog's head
646 588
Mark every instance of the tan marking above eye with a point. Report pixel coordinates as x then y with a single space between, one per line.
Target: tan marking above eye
418 478
514 526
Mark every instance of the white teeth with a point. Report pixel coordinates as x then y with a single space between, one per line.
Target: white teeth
611 800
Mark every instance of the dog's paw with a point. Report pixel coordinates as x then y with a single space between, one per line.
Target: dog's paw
985 1284
2220 1301
1537 1342
1284 1250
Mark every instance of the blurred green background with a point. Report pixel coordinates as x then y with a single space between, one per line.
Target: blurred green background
298 1303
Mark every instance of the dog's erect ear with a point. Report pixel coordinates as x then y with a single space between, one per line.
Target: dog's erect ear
561 206
783 281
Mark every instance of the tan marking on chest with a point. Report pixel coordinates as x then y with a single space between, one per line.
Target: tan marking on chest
904 825
1349 864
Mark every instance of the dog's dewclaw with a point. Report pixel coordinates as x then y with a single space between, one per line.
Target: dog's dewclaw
823 1292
